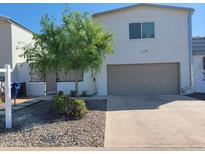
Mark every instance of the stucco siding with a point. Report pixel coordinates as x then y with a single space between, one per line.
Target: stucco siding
33 88
21 69
169 45
5 44
39 88
20 37
87 85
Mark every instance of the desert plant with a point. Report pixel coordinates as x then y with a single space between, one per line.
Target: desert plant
60 103
73 93
61 93
76 109
84 94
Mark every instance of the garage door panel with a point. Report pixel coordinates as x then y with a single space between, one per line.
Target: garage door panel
143 79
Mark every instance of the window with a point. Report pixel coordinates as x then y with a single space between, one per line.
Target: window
70 76
141 30
35 76
148 30
135 30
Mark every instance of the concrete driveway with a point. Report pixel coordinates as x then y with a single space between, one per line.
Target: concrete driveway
155 121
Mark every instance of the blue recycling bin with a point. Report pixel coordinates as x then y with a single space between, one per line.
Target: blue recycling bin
15 89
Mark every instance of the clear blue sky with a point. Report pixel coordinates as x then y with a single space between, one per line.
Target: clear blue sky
29 15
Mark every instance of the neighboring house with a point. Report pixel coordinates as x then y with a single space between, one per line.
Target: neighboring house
198 44
152 55
13 37
12 34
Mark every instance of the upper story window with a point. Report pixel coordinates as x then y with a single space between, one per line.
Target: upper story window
141 30
135 30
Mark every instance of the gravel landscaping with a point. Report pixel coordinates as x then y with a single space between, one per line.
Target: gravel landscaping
35 126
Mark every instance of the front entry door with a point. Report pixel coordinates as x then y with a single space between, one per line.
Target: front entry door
51 84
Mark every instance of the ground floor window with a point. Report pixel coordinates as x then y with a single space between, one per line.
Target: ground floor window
35 76
70 76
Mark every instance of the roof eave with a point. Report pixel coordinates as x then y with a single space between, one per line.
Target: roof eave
191 10
8 20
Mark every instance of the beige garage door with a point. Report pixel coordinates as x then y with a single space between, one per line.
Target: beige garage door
143 79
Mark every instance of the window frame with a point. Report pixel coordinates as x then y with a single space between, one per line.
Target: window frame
142 30
130 30
58 80
35 81
141 23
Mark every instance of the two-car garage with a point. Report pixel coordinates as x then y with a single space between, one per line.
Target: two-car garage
157 78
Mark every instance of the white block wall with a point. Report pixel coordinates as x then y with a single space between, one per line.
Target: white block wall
87 85
199 77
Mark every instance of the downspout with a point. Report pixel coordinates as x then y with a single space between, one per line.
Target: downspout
190 50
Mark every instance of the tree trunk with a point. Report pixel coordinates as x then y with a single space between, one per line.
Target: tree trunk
76 88
1 96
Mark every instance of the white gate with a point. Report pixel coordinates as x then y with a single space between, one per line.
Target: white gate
8 117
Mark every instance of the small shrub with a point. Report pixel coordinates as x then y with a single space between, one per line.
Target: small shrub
61 93
60 103
73 93
76 109
71 108
84 94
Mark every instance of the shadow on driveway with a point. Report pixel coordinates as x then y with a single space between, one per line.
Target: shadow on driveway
141 102
99 104
200 96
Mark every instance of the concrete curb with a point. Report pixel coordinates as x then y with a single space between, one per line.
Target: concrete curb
101 149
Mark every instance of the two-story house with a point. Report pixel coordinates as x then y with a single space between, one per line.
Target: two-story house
152 54
152 51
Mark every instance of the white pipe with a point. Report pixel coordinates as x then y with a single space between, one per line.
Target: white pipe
8 111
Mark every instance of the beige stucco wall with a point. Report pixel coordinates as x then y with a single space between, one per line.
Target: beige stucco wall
169 45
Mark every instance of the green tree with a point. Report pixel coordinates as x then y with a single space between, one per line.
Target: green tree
77 43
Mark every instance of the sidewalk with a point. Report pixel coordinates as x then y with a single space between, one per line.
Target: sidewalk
24 102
